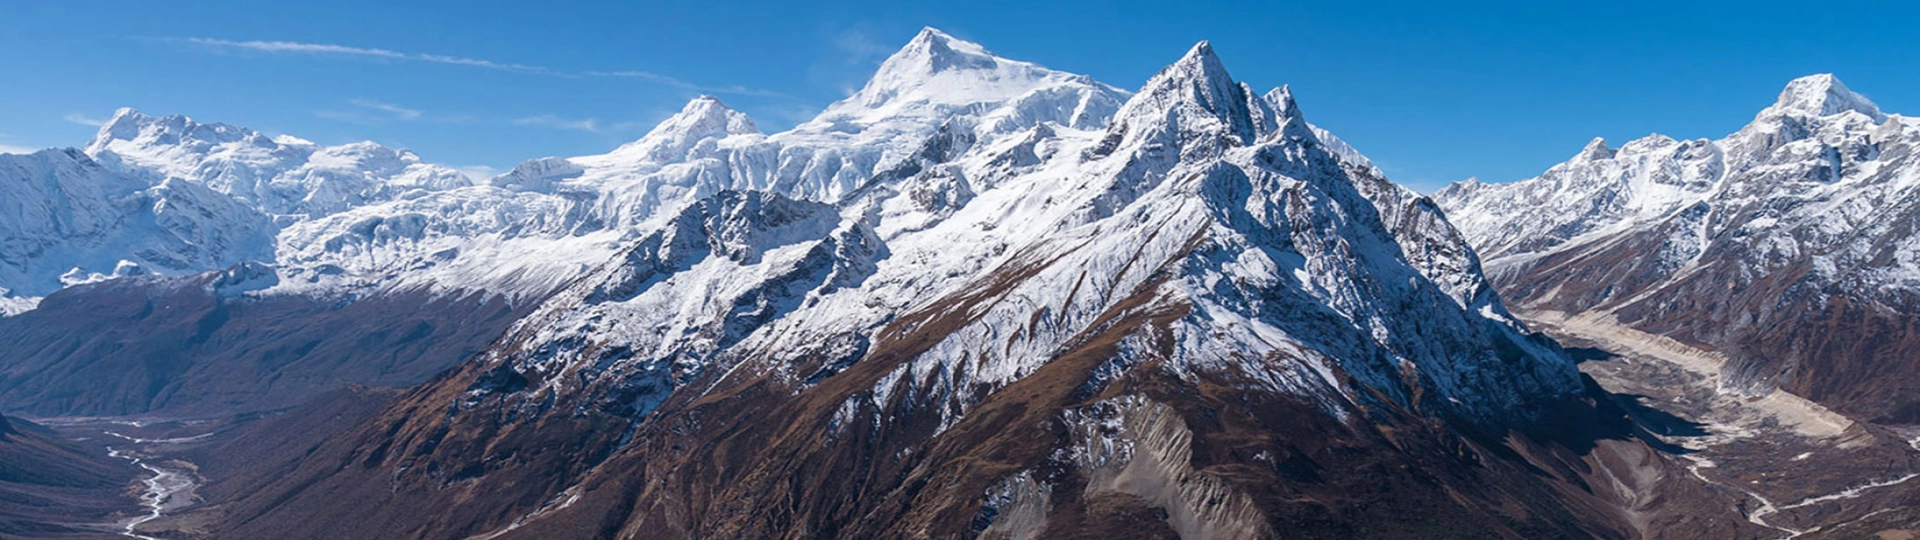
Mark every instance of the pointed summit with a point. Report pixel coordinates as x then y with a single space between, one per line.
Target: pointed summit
703 118
932 51
1293 125
1282 101
707 116
1290 122
1200 65
124 125
932 54
1196 95
936 75
1823 95
220 155
1595 150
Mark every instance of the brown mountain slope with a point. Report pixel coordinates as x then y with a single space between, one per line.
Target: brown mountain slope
54 488
174 346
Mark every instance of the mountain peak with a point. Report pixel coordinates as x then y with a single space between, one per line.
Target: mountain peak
936 74
1283 103
125 125
933 51
125 116
1595 150
928 32
710 113
930 54
1196 92
704 117
1823 95
1201 61
129 128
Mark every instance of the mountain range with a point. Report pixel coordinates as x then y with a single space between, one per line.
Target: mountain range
977 298
1788 246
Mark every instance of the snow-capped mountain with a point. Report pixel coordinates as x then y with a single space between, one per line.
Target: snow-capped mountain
933 100
793 277
376 228
69 219
551 219
172 196
363 217
982 298
1196 161
280 176
161 270
1788 245
1820 141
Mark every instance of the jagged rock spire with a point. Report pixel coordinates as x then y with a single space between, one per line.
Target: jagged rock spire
1195 97
1290 123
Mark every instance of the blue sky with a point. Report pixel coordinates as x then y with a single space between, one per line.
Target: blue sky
1432 92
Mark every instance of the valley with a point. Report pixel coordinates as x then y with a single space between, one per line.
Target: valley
165 483
1806 471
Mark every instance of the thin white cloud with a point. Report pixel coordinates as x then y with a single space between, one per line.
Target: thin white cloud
344 50
666 80
82 119
398 112
289 46
14 149
351 117
489 64
556 122
293 47
858 46
373 113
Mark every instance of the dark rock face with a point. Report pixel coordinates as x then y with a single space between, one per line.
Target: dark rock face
177 346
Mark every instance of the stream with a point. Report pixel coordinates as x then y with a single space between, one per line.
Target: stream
170 488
